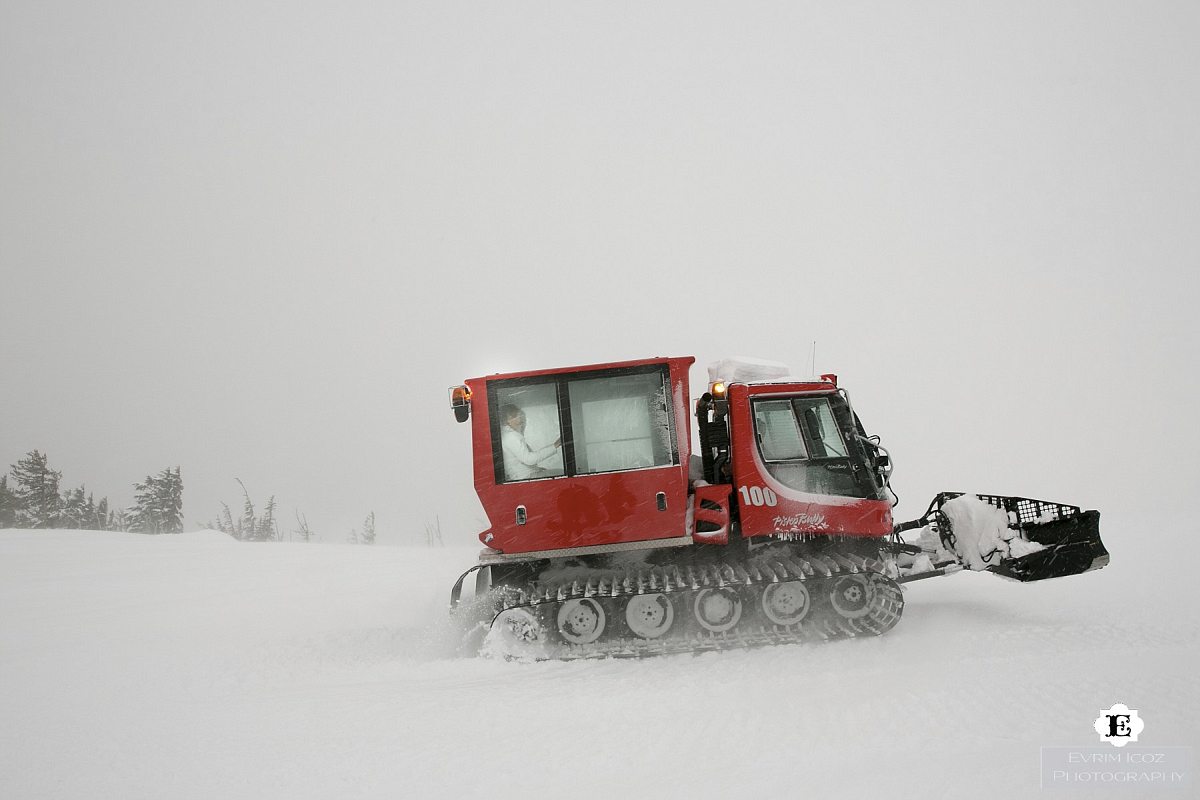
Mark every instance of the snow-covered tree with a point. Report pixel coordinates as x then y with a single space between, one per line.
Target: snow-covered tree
118 520
8 504
75 513
224 523
36 492
101 517
368 532
265 529
80 511
171 496
158 503
89 514
248 523
250 526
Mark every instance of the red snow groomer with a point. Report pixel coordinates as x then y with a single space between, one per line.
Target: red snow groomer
610 537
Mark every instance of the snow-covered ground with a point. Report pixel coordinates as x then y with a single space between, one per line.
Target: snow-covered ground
194 666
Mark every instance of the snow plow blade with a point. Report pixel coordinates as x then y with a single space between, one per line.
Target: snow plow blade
1073 546
1014 537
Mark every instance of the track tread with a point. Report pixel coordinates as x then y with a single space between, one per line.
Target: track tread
748 578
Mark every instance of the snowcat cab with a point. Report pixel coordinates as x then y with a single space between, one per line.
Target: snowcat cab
618 478
608 537
797 457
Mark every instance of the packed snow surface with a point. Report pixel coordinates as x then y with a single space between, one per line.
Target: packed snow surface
193 666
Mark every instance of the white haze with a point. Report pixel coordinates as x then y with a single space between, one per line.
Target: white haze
260 240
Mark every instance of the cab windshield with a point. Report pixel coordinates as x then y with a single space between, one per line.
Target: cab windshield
803 445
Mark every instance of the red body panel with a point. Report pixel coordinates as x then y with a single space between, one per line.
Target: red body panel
794 512
585 510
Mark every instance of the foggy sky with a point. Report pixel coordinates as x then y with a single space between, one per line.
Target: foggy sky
259 240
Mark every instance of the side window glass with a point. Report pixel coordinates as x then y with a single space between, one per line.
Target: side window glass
530 431
778 433
620 422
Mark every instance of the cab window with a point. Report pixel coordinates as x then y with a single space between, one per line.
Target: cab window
526 426
778 433
620 422
582 423
817 418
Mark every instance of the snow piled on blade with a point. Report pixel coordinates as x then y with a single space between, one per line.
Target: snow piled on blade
982 537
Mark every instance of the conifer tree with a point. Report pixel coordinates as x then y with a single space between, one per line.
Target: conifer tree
249 526
264 527
248 523
158 503
142 516
8 504
171 500
224 523
118 520
100 518
36 491
368 532
74 513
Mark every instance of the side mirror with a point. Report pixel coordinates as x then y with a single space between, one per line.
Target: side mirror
460 401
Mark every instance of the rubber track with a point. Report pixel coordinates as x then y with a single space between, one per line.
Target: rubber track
683 582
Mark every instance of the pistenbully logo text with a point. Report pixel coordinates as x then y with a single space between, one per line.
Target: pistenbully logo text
1119 725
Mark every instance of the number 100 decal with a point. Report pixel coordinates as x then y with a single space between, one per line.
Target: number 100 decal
758 496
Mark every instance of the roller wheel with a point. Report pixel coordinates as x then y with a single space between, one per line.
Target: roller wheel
581 621
851 596
786 603
519 625
718 610
649 615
